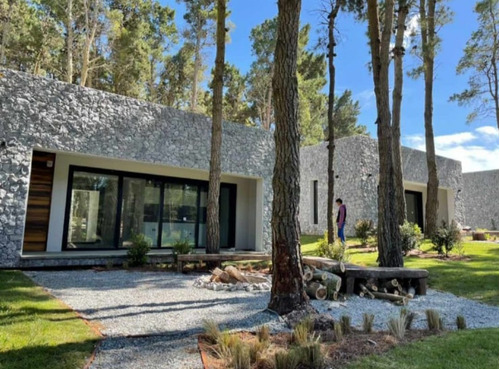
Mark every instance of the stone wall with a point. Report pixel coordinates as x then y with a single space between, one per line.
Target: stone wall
356 172
42 113
480 193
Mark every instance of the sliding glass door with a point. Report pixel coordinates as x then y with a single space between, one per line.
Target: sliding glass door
105 209
92 215
179 214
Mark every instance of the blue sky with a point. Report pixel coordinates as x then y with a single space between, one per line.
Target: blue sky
476 145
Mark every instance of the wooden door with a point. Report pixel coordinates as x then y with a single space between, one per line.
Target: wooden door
39 196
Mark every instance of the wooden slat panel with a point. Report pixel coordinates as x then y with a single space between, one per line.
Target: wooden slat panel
39 196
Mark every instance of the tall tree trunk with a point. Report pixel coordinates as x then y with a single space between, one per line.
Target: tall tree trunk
213 229
269 104
5 33
69 42
494 59
196 72
427 22
397 97
91 28
389 247
331 122
287 293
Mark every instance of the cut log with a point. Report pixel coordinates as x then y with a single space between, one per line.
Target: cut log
332 266
319 275
316 290
390 285
411 293
390 297
335 296
222 276
333 280
361 294
365 291
255 279
396 292
308 275
371 284
235 273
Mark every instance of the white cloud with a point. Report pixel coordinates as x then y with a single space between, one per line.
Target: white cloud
488 131
476 150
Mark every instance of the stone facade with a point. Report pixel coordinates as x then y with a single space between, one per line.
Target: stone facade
480 194
42 113
356 179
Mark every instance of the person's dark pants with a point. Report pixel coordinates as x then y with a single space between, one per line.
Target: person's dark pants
340 232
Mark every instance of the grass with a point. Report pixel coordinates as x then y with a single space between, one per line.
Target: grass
467 349
37 331
476 279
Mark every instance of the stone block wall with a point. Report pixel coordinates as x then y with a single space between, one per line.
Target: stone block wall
356 171
480 193
41 113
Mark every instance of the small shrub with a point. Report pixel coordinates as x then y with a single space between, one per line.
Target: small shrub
109 264
137 253
286 359
397 327
338 334
263 333
181 247
334 251
212 331
411 236
461 323
311 355
409 316
446 238
125 265
240 356
364 229
301 332
345 322
368 322
255 348
434 321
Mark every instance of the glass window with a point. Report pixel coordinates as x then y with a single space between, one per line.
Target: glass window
93 211
179 213
140 210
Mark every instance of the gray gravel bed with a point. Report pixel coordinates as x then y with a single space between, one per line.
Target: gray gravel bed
142 303
153 352
448 305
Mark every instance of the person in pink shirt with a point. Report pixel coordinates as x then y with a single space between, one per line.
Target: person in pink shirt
341 219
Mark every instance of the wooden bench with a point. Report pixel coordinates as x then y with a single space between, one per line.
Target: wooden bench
181 259
418 275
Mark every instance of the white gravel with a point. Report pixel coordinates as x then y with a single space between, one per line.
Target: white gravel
477 315
171 310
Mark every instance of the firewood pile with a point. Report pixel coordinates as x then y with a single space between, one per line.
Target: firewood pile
232 279
232 275
323 280
392 290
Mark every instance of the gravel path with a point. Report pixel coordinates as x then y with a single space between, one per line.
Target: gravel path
167 307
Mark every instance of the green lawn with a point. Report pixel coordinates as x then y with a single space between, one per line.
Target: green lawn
37 331
475 279
467 349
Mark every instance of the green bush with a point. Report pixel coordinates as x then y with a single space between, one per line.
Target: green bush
364 229
181 247
334 251
137 253
411 236
446 238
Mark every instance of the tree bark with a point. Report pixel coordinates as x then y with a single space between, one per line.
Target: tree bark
389 247
287 293
197 62
90 30
397 97
5 32
494 59
213 229
427 22
269 104
331 123
69 42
